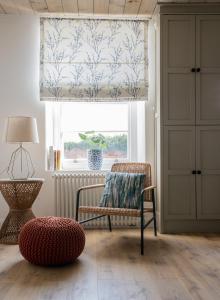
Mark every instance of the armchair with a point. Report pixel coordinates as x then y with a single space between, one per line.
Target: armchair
147 195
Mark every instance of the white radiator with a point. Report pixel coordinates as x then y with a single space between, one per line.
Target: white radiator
66 186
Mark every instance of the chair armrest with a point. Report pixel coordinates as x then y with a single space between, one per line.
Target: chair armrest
151 189
148 188
87 187
83 188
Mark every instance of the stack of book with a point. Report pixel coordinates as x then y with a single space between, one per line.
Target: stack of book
54 159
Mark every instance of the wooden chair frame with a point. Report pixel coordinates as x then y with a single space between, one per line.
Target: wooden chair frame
140 213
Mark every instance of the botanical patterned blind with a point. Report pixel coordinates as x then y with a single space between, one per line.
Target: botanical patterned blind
93 60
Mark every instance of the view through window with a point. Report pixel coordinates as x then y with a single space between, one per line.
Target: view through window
103 119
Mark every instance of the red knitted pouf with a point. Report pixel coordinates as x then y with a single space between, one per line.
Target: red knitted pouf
51 241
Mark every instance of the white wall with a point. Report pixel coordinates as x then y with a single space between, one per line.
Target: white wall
19 95
150 105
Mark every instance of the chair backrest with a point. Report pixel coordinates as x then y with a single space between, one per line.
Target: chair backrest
143 168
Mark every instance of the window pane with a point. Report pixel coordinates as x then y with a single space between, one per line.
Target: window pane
117 145
80 117
75 148
108 119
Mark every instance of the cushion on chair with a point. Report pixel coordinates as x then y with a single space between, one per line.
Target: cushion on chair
122 190
51 241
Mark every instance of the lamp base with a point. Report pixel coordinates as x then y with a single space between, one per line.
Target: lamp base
20 166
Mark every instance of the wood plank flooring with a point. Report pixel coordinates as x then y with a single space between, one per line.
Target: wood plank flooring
174 267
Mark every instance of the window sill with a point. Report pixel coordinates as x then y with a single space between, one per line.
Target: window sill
83 167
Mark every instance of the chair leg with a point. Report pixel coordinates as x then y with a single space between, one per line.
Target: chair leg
77 204
142 225
109 223
155 226
154 214
142 234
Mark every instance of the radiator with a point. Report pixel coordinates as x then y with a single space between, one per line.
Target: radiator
66 186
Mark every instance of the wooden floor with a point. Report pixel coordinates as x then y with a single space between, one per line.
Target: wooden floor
174 267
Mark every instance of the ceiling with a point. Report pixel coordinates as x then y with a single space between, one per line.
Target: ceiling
135 8
79 7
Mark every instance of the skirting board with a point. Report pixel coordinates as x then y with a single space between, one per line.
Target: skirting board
102 227
202 226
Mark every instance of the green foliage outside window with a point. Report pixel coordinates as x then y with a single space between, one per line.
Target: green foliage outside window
114 145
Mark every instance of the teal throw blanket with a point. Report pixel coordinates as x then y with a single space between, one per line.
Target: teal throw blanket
123 190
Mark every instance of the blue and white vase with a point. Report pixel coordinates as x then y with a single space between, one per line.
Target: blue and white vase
95 159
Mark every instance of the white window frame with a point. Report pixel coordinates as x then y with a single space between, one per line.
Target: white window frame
136 137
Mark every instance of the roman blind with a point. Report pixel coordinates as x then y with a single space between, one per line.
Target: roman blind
93 60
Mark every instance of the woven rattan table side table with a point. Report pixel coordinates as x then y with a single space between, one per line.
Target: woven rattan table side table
19 195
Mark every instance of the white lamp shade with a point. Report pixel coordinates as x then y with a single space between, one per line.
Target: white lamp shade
21 130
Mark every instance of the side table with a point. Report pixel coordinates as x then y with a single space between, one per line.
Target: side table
19 195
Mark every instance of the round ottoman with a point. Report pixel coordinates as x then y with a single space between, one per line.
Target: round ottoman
51 241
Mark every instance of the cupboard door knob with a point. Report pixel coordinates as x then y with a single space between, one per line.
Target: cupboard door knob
198 70
194 172
193 70
199 172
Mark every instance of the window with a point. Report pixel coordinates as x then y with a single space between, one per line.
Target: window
93 76
117 122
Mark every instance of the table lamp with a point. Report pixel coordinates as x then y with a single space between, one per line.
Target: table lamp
21 130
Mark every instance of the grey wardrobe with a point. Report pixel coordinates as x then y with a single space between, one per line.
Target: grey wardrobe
190 120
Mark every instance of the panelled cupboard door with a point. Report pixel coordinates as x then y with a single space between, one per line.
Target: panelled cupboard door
179 182
208 162
208 61
178 60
